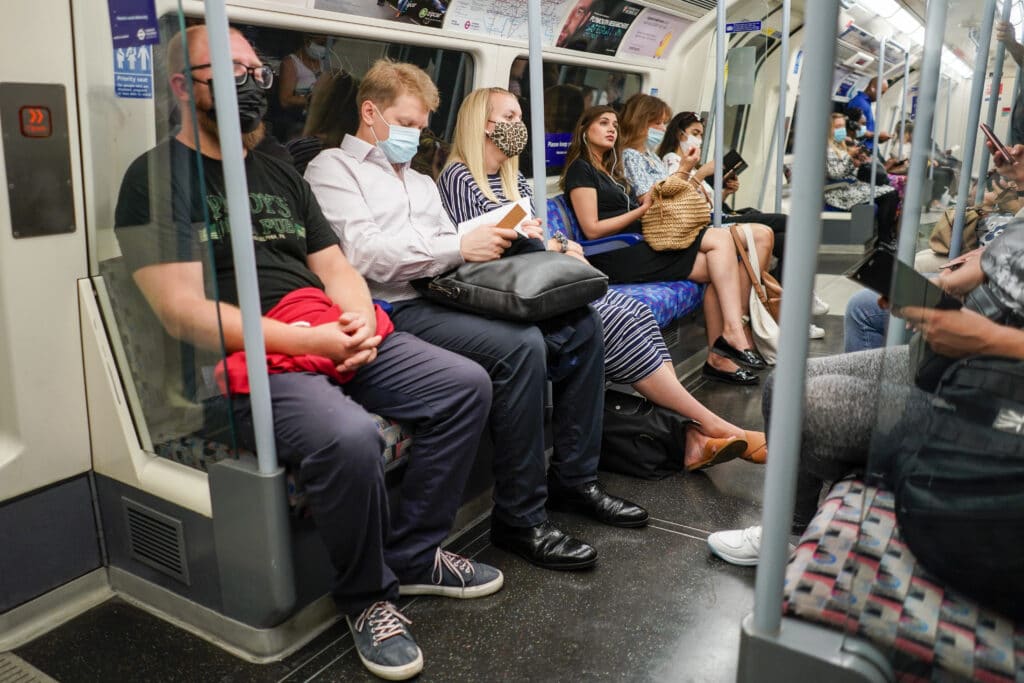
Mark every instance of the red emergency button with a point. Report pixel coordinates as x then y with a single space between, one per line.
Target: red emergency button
35 122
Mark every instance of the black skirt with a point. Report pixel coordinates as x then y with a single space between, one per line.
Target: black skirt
640 263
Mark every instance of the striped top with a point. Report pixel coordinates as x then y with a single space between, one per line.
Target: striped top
463 199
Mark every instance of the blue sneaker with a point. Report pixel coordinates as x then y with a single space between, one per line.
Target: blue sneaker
384 644
454 576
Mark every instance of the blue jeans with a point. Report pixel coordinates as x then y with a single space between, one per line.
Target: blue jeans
864 323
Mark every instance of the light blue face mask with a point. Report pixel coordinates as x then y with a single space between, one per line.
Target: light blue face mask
862 131
839 134
402 144
654 137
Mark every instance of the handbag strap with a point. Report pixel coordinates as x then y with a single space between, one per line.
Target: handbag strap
741 249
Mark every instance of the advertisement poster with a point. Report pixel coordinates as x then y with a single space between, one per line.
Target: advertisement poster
597 26
653 34
505 18
422 12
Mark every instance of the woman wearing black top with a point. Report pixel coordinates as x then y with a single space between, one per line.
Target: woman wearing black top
605 205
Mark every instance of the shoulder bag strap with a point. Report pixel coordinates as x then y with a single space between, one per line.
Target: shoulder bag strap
755 276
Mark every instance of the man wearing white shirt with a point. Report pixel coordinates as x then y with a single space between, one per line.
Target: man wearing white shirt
394 229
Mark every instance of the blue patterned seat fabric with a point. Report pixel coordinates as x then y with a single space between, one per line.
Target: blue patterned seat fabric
669 301
853 572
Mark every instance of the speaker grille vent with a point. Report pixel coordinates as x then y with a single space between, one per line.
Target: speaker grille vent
14 669
156 540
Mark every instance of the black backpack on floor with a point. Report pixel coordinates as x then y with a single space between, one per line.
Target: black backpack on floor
641 439
959 483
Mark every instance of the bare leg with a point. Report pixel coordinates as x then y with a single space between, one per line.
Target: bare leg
713 326
663 388
717 264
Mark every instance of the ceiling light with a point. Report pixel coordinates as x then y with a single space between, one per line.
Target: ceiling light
904 22
883 8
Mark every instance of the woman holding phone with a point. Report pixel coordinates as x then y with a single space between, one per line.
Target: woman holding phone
482 174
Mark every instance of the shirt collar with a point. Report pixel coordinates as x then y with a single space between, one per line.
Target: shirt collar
362 150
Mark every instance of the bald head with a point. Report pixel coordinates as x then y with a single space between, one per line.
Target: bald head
198 40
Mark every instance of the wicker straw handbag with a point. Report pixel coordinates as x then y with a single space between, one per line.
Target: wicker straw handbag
677 215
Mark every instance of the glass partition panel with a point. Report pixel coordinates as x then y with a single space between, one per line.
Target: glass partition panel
569 89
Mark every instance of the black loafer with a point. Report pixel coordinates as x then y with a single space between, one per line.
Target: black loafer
748 357
544 545
741 376
593 501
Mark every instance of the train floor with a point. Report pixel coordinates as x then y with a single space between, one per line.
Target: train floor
657 607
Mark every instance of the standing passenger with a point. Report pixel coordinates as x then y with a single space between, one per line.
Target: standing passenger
322 428
394 227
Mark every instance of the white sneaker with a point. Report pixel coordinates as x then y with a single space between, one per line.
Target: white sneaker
818 306
737 546
816 332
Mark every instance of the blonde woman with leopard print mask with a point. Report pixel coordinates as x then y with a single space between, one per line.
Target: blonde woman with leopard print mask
482 174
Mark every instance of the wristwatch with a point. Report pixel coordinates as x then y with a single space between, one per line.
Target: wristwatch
563 241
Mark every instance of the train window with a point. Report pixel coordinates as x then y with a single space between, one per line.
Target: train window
568 90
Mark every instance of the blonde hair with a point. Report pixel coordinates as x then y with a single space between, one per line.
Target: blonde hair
838 146
468 145
386 81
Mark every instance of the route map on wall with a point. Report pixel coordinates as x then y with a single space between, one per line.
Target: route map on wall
505 18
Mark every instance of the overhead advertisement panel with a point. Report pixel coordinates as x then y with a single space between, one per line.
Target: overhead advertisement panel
423 12
506 18
597 26
653 34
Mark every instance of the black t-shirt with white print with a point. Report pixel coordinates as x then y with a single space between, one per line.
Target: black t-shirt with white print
160 218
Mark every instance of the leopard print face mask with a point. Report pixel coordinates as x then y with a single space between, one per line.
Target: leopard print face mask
510 137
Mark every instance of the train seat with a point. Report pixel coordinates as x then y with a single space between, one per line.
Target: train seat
852 572
168 414
669 301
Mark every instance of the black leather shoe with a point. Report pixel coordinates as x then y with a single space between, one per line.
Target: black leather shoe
593 501
544 545
748 357
741 376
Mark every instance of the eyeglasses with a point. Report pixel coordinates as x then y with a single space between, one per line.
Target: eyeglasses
262 75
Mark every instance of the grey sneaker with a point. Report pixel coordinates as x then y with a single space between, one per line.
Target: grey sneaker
454 576
384 644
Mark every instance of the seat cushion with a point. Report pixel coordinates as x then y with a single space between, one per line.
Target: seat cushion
669 301
852 571
562 219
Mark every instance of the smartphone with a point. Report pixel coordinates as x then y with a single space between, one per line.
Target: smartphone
1000 147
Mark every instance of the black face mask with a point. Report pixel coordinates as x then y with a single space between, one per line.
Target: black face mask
252 105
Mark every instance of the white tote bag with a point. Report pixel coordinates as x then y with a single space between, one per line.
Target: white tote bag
762 325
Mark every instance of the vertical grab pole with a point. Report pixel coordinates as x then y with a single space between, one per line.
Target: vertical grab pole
973 116
243 255
928 91
720 40
935 145
903 100
780 122
993 102
537 146
876 145
812 127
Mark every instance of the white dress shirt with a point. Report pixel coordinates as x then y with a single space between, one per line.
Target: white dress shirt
393 227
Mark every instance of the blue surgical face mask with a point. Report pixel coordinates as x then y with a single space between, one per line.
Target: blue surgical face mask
839 134
654 137
402 144
862 131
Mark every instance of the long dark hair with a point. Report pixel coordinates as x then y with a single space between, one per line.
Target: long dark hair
579 149
333 112
674 130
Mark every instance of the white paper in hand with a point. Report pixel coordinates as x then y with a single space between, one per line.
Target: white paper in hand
495 216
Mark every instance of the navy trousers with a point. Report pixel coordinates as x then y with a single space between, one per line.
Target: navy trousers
520 358
324 434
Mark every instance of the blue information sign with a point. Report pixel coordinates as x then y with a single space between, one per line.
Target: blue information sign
556 147
133 72
743 27
133 22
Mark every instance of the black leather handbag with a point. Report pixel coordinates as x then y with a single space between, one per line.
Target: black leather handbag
641 439
524 287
